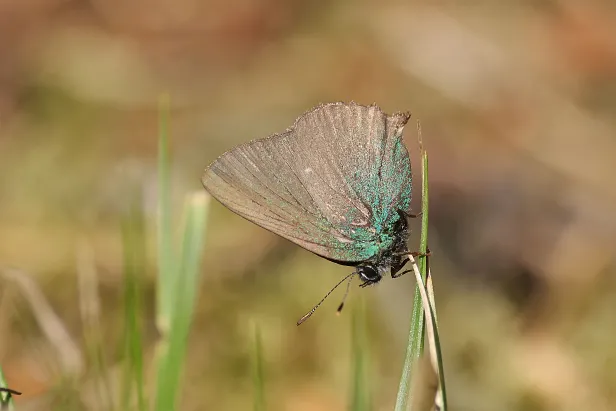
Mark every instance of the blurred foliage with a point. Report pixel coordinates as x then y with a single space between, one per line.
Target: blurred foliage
517 101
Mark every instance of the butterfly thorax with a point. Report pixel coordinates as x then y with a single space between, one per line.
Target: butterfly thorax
390 259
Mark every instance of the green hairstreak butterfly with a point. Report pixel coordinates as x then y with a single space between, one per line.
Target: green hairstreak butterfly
337 183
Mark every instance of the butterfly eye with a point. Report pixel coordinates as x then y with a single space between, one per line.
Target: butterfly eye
368 274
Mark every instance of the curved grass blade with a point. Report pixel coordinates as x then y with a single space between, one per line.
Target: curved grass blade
172 348
441 399
433 337
416 332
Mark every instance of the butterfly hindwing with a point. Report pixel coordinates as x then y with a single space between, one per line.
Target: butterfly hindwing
332 183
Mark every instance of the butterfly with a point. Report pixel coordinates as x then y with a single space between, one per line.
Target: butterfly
337 183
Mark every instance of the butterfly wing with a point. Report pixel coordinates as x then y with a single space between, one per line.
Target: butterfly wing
332 183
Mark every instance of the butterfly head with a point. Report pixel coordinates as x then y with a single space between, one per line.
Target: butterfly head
369 273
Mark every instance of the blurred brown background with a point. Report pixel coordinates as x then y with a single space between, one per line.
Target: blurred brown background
517 102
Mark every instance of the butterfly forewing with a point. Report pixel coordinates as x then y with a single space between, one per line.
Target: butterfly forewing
331 183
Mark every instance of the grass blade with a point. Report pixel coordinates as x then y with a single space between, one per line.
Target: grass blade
6 394
133 233
258 372
93 338
173 346
427 299
360 391
166 258
417 328
442 392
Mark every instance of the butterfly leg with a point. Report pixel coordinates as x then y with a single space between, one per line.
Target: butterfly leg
395 270
410 215
400 274
415 254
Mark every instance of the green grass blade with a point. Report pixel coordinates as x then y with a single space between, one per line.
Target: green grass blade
166 257
93 339
433 337
418 341
133 234
423 241
360 390
417 328
437 346
6 398
258 372
172 349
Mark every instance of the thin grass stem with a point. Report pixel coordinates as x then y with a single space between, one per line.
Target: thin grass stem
258 373
360 390
417 327
166 252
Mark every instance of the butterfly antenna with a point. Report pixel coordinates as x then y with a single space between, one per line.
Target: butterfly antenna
309 313
341 306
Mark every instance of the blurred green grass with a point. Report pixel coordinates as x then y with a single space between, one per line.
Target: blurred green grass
521 125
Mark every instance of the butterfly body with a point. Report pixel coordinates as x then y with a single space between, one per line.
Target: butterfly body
391 257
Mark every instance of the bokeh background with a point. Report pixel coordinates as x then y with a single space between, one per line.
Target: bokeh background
517 102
